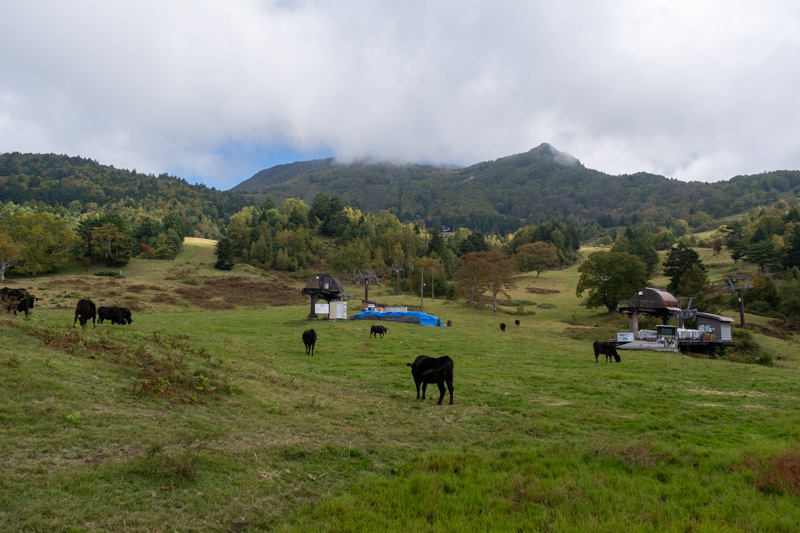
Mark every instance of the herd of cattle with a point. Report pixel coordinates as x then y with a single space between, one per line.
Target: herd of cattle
16 300
86 310
424 369
439 370
20 300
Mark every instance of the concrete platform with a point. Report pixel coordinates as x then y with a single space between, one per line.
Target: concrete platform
645 345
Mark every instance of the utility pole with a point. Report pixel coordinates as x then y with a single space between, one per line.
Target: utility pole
397 269
421 286
433 281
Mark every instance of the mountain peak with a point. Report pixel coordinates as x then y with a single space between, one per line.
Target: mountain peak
543 152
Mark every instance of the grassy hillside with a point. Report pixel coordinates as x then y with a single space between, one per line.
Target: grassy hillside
206 415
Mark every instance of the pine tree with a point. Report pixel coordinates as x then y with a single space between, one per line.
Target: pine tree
734 240
678 262
225 256
791 258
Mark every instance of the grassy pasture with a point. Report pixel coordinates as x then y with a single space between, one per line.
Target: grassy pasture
262 437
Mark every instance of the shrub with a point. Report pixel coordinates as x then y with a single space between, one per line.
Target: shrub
747 350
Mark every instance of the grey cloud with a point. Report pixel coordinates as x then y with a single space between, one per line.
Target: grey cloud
698 91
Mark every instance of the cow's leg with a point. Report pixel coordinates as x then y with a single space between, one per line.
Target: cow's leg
424 386
450 387
441 391
417 384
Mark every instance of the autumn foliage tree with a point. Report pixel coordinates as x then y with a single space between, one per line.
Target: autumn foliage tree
467 277
42 243
479 271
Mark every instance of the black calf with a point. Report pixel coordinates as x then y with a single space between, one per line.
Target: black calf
378 330
309 339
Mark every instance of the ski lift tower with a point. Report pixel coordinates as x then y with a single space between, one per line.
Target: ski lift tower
689 312
740 285
366 274
396 269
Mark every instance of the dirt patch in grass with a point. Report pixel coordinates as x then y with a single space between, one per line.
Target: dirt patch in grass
780 474
206 293
228 293
537 290
141 287
638 454
590 333
742 394
166 299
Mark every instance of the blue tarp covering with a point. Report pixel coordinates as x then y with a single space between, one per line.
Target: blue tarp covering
409 316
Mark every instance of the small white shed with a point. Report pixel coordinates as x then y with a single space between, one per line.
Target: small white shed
338 310
719 326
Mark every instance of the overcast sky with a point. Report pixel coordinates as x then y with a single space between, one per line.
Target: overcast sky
215 91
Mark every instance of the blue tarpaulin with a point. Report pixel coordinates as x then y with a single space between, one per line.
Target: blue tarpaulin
412 317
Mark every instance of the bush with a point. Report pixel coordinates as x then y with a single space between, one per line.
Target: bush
747 350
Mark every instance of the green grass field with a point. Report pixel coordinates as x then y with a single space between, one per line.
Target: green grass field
208 416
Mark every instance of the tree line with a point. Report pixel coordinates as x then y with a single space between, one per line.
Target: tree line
767 240
35 238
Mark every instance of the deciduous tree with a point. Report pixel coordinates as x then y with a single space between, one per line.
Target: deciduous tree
10 254
610 277
479 271
537 257
111 245
45 243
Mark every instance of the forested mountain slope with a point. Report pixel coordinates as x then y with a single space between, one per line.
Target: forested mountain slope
84 185
530 188
497 196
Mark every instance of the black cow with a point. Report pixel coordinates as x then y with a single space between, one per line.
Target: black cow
84 311
126 315
117 315
437 370
516 322
310 339
502 326
378 330
606 348
17 300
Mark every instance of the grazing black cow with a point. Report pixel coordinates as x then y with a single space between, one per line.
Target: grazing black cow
516 322
126 315
16 300
437 370
606 348
115 314
502 326
378 330
84 311
310 339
